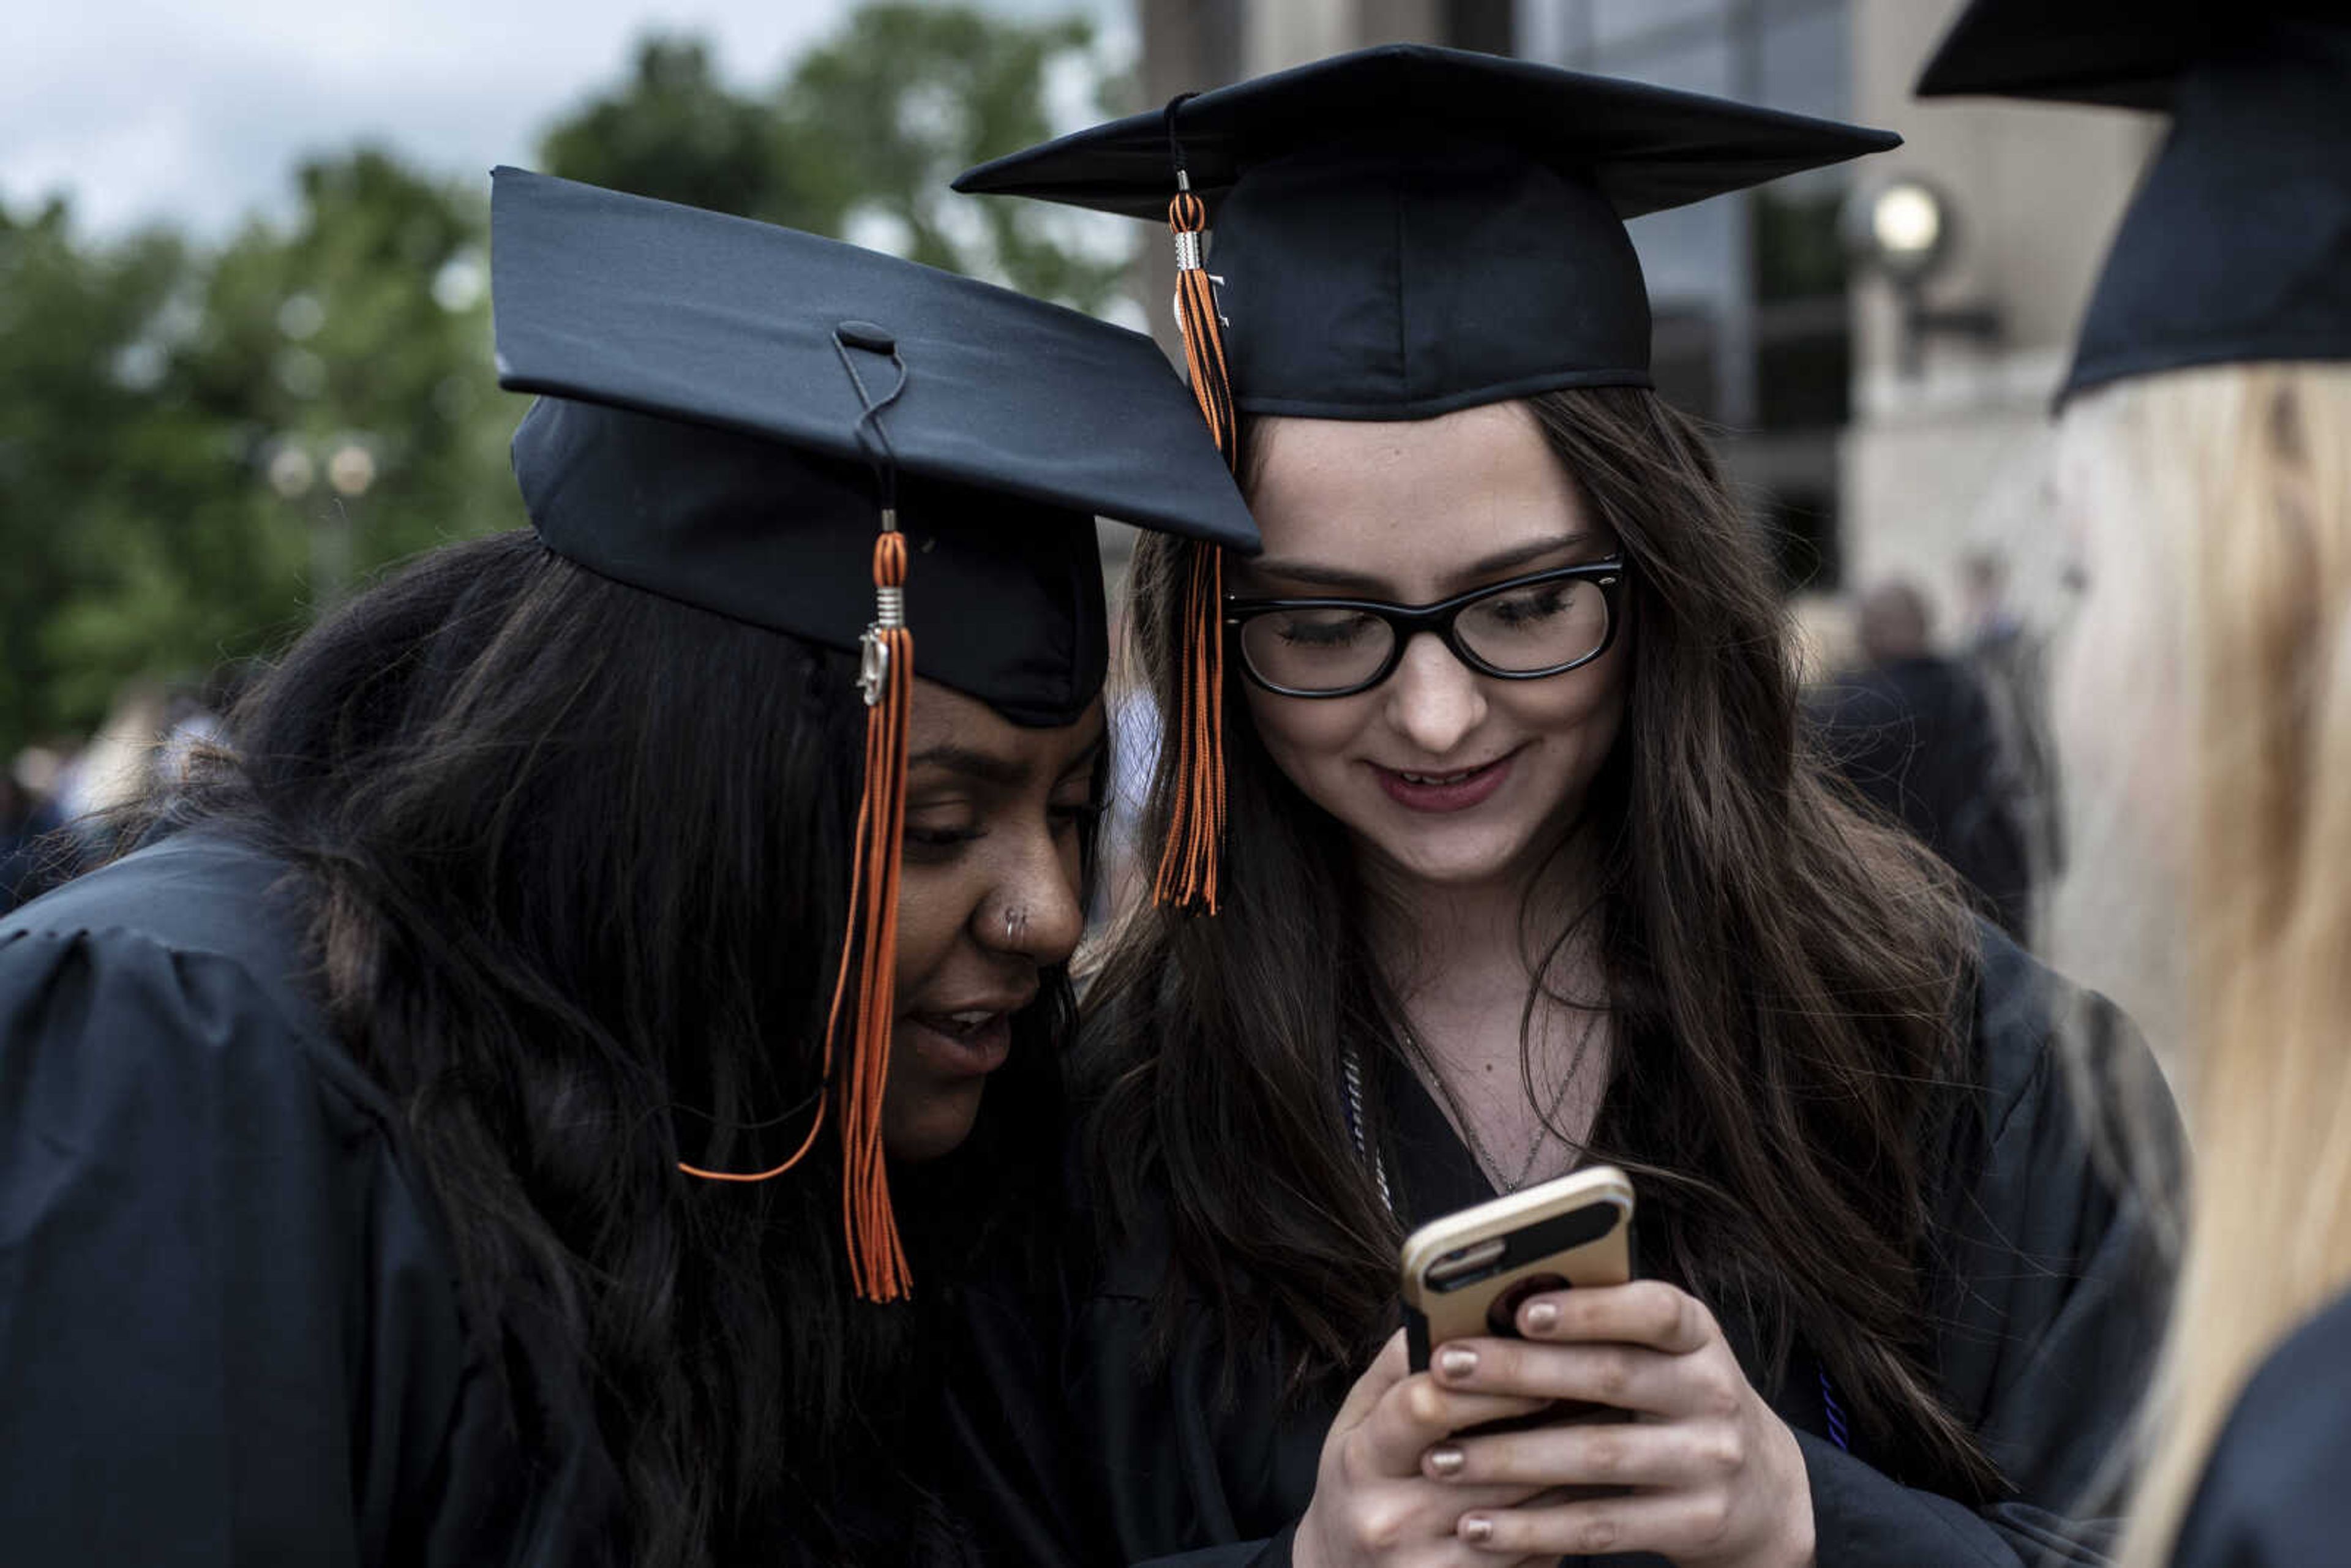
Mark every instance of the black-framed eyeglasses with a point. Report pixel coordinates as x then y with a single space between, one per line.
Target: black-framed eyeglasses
1521 628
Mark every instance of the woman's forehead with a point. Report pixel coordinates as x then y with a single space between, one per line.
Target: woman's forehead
955 733
1408 497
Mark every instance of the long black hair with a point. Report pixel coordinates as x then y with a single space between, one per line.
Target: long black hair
578 860
1789 981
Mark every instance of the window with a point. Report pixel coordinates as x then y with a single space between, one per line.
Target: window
1748 292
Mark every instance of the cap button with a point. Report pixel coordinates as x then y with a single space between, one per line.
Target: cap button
865 335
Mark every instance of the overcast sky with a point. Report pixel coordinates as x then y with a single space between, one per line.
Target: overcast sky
196 113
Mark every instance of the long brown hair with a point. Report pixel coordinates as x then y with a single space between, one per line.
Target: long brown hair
1788 981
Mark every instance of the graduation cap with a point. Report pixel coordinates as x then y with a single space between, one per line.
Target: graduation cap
855 450
1407 230
2238 244
1401 232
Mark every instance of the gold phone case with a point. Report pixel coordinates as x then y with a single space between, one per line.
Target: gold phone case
1466 1270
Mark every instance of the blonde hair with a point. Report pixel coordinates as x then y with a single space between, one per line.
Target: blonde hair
2242 480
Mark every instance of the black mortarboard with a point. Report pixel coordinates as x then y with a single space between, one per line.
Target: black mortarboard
2238 244
852 449
700 435
1406 230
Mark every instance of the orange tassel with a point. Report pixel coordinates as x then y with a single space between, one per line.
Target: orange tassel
877 1260
1192 857
1196 317
869 942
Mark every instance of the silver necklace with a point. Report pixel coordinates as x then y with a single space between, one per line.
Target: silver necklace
1354 1069
1544 1129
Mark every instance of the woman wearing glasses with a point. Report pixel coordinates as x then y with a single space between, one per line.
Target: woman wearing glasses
1527 864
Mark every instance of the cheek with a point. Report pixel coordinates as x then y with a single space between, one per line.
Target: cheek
1301 735
1572 720
923 1116
934 904
1585 707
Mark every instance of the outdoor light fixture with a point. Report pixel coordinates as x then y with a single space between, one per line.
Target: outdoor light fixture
1902 229
1906 224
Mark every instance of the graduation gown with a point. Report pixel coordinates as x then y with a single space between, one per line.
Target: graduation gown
229 1326
2043 1282
2273 1492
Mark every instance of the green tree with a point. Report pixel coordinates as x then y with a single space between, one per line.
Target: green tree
198 451
88 443
673 130
861 135
194 457
905 97
365 326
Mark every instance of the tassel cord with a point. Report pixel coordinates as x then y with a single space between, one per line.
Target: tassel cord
1190 859
877 1254
877 1261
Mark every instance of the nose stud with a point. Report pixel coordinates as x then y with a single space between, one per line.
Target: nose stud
1016 921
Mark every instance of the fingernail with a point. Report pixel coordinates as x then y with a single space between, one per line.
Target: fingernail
1455 1362
1447 1460
1477 1529
1543 1317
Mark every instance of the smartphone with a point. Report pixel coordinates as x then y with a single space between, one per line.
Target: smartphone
1467 1274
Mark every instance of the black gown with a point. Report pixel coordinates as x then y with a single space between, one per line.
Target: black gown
229 1325
2046 1283
2276 1491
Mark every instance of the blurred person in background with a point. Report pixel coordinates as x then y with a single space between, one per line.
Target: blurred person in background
1530 862
2009 658
151 733
17 830
94 786
1916 735
451 1134
25 871
2204 704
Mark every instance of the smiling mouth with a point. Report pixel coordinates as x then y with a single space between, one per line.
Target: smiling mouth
1457 789
964 1043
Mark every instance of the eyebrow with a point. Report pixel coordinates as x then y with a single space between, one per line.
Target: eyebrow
981 766
986 767
1485 565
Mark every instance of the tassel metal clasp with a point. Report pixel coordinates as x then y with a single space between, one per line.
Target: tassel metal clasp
873 666
874 648
1215 286
889 615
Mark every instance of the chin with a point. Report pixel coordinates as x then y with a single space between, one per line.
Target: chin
1454 864
934 1126
1452 856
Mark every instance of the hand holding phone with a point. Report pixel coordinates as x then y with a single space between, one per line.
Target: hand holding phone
1376 1499
1465 1275
1692 1463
